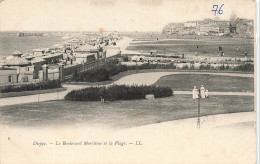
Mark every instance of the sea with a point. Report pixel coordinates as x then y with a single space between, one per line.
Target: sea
10 42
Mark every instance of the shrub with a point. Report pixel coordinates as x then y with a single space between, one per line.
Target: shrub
31 87
185 67
222 67
227 67
205 67
117 92
192 67
245 68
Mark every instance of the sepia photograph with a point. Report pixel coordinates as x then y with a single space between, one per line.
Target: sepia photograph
134 81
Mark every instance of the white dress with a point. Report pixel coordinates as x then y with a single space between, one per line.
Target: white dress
195 93
202 93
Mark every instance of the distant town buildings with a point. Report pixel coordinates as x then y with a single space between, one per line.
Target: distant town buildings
235 26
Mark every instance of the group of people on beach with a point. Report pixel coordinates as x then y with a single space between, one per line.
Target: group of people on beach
200 93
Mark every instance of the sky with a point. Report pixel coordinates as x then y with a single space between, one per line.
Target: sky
112 15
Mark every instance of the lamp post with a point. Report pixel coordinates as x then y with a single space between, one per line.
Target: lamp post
198 120
198 94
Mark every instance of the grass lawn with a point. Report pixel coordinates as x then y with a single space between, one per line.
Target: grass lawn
206 46
210 82
120 114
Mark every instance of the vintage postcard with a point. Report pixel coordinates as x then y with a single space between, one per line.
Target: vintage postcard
128 81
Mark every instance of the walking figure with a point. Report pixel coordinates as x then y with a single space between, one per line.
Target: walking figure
202 92
195 93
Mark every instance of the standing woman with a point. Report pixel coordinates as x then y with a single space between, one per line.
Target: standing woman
195 93
202 92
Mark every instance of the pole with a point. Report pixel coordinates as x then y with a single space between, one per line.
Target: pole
198 122
136 66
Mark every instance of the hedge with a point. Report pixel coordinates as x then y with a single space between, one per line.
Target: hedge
117 92
112 68
31 87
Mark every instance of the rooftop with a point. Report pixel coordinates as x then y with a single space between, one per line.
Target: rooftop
17 53
16 61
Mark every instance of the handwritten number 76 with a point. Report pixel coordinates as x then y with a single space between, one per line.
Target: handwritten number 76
217 10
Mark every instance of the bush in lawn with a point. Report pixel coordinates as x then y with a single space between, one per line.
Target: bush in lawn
245 68
222 67
31 87
185 67
205 67
192 67
117 92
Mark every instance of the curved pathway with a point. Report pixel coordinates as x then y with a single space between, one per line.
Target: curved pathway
137 79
